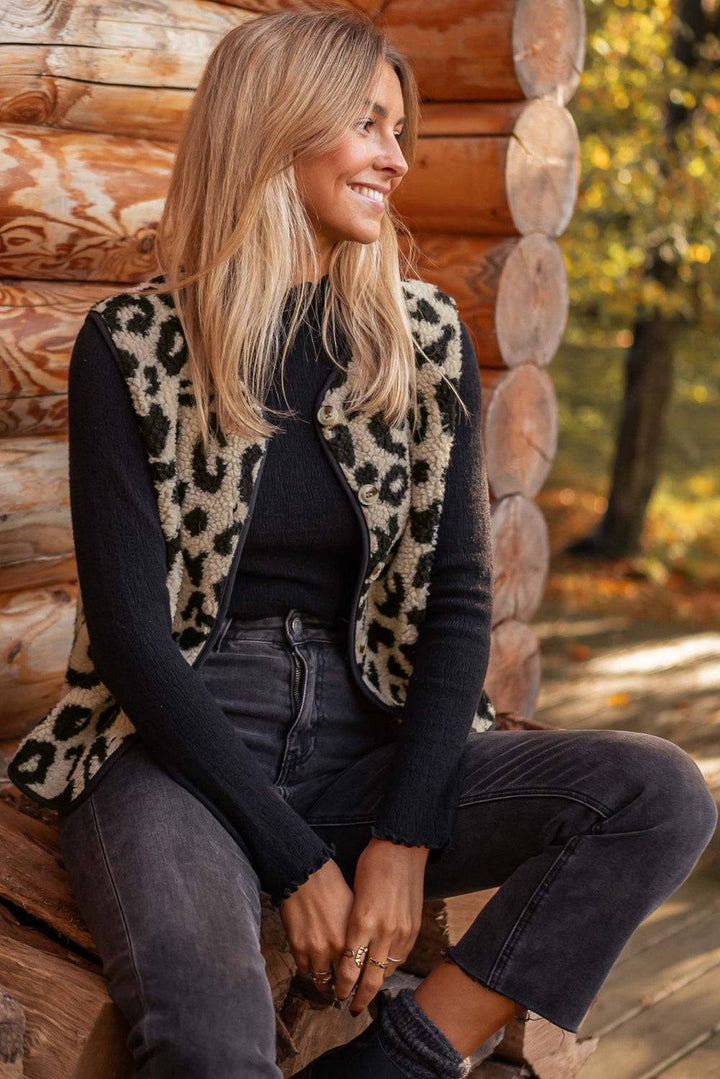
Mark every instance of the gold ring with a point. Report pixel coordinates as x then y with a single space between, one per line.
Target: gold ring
377 962
357 955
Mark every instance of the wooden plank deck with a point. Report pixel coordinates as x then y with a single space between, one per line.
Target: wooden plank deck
658 1013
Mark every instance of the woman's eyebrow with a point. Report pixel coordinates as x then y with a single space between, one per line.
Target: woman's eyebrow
382 110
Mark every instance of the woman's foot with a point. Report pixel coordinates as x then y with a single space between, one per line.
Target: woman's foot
401 1042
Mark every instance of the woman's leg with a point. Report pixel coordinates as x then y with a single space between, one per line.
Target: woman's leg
172 903
584 833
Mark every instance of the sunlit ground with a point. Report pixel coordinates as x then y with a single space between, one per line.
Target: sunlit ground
635 645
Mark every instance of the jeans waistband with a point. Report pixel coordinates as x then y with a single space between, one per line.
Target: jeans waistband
291 628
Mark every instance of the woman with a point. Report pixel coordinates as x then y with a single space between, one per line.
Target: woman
304 719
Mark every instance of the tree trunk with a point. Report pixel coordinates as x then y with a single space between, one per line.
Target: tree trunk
649 364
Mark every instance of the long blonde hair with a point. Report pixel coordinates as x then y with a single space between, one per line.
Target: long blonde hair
234 234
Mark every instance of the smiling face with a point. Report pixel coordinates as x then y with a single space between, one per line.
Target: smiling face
335 186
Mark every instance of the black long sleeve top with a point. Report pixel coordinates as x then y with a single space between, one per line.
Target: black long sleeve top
302 549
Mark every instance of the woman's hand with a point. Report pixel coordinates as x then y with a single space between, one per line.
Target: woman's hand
386 915
315 918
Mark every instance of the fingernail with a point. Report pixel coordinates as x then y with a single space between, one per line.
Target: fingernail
354 1014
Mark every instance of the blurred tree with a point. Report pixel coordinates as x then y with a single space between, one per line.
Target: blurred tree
640 249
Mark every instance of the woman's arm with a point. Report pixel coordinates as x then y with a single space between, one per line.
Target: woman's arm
120 553
453 648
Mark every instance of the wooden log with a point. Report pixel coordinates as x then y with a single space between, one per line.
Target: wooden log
513 678
12 1031
521 558
498 1069
523 182
495 49
33 877
511 293
314 1027
17 925
74 1030
80 209
89 69
35 497
36 629
39 322
8 749
41 414
79 69
519 429
443 119
88 89
88 208
42 572
549 1051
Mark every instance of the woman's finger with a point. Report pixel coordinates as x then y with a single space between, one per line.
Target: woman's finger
373 974
322 972
302 960
347 970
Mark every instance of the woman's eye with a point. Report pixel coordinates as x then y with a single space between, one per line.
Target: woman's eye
399 135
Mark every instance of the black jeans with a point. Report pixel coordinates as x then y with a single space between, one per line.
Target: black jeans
584 833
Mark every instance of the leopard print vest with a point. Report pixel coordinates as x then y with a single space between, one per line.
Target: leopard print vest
204 502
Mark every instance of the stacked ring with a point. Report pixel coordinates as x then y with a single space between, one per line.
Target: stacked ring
324 977
357 954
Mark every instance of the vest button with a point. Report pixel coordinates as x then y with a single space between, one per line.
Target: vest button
368 494
327 415
375 573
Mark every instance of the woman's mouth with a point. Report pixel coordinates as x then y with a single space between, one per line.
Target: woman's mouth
369 196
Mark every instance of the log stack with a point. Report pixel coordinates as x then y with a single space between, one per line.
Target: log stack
93 103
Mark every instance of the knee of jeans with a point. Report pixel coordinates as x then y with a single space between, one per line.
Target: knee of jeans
215 1023
676 790
208 1050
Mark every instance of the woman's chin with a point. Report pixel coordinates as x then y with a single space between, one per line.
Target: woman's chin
363 234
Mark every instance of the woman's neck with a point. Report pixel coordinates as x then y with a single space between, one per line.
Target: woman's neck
307 281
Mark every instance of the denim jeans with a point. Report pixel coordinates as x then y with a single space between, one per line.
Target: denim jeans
583 832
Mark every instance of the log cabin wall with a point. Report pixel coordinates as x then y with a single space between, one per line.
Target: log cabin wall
92 101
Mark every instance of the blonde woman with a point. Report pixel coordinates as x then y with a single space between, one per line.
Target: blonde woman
276 684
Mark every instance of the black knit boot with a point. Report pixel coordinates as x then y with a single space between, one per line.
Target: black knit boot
402 1042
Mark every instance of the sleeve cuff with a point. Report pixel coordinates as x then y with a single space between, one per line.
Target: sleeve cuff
436 850
278 895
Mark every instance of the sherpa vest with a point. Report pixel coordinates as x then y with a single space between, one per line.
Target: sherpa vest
396 481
